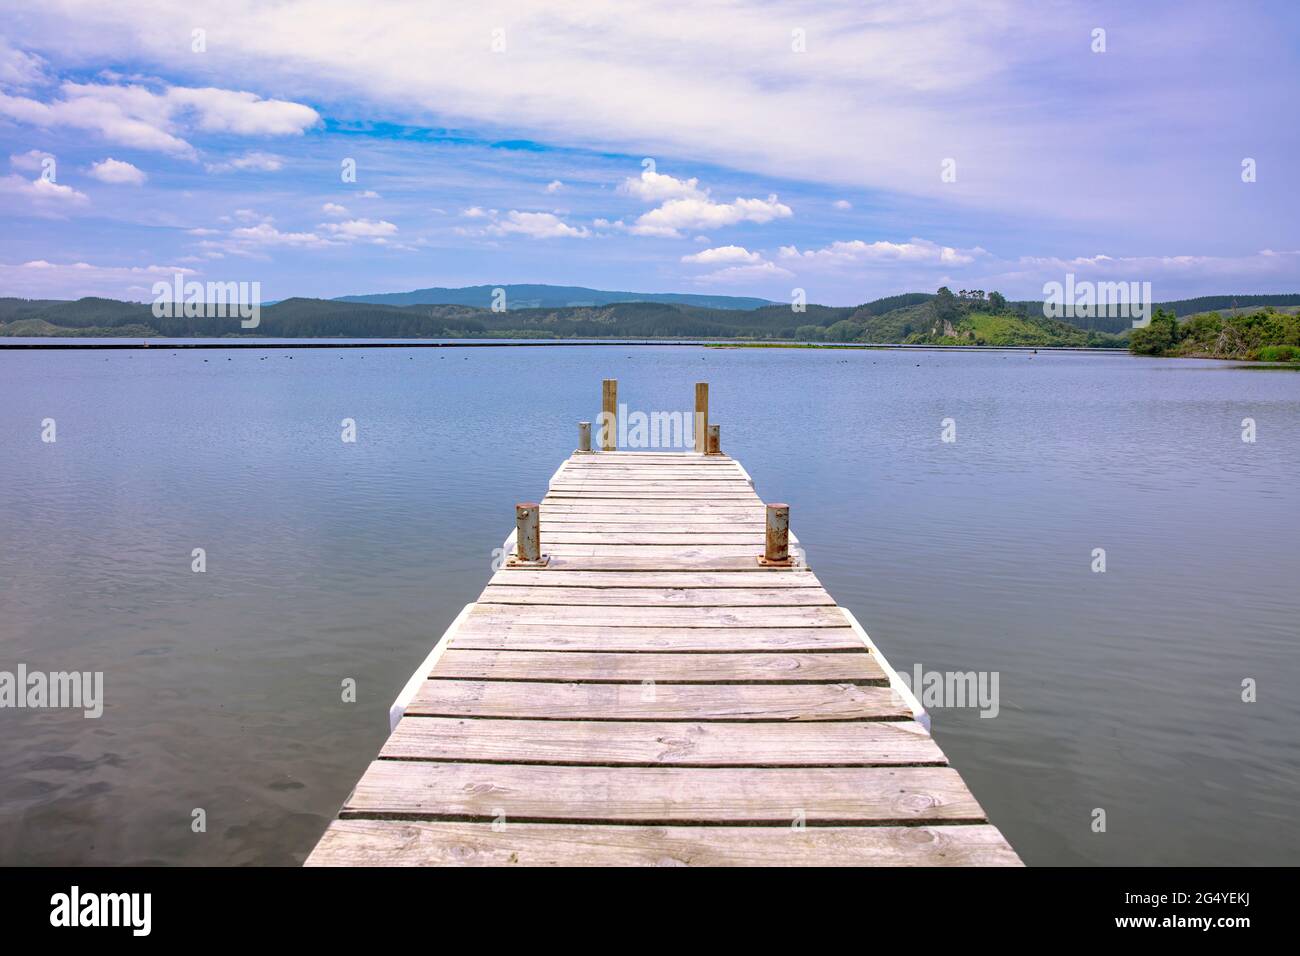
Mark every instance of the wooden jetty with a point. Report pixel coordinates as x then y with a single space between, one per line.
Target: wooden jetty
657 677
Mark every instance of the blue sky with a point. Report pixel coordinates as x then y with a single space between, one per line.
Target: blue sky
794 145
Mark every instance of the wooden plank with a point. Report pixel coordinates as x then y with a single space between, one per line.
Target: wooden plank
685 617
633 668
548 577
657 597
611 617
661 744
662 795
623 558
544 701
492 635
418 843
561 535
669 556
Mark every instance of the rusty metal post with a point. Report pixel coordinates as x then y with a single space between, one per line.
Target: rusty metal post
584 436
701 415
715 440
777 550
609 415
528 540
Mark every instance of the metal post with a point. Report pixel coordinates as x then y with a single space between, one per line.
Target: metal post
609 415
715 440
584 436
701 415
777 551
528 541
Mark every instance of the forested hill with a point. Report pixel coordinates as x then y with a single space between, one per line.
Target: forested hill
970 317
548 297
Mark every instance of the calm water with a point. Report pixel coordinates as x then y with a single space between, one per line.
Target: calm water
328 560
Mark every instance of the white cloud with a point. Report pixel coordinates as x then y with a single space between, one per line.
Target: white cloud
41 279
19 69
687 206
370 194
41 196
334 209
745 273
857 251
703 213
554 186
360 228
536 225
474 212
117 172
33 161
138 117
842 204
653 186
254 160
723 254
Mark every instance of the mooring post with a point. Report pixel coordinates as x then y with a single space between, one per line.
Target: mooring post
609 414
777 550
528 540
584 437
715 440
701 415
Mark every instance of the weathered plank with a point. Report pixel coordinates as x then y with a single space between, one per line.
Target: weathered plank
660 744
547 701
687 617
633 668
524 577
356 842
489 635
657 597
662 795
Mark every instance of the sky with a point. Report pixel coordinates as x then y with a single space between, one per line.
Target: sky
851 150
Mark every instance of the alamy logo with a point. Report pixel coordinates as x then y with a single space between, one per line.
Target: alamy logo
212 300
82 690
1098 299
74 908
651 430
955 689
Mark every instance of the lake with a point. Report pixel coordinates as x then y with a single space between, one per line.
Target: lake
328 560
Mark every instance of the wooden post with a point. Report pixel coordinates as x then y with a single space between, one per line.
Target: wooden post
609 415
715 440
584 436
528 539
777 550
701 415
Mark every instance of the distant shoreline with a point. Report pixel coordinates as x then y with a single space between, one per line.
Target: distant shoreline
62 344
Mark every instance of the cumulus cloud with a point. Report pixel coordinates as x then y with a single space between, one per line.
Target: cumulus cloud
254 160
672 217
19 69
554 186
721 254
857 251
652 186
842 204
334 209
33 161
535 225
41 196
686 206
40 279
117 172
360 228
137 116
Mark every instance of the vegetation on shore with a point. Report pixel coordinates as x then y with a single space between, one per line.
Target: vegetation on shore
1266 335
967 317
